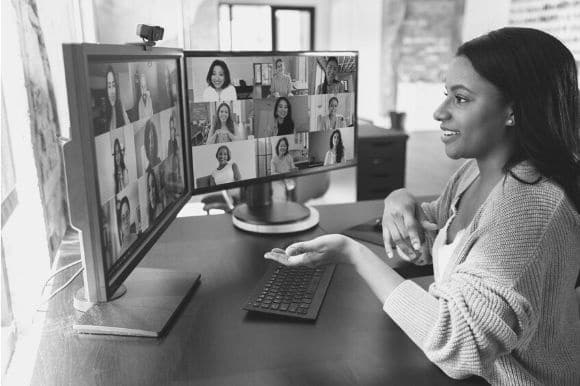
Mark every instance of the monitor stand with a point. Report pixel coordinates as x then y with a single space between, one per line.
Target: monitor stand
144 305
259 214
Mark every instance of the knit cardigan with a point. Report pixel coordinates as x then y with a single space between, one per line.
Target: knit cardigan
505 308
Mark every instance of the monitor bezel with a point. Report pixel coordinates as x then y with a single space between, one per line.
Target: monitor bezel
100 283
274 54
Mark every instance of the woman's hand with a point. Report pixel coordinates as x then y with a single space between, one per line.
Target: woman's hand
327 249
404 224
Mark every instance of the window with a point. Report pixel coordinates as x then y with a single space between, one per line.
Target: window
265 28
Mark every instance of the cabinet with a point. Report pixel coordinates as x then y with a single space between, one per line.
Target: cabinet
381 161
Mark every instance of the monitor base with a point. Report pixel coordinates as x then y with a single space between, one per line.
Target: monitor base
150 302
275 218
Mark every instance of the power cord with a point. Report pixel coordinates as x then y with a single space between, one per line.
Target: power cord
62 287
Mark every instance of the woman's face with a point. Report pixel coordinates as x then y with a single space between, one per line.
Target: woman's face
143 84
335 139
223 114
151 190
282 148
117 153
332 106
473 115
280 67
111 88
331 70
222 156
218 76
282 110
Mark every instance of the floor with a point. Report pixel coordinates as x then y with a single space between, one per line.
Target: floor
427 171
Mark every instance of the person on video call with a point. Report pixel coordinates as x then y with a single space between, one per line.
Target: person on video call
331 85
226 170
223 126
283 123
282 161
154 204
115 114
504 235
220 87
335 153
143 107
126 237
281 81
120 172
333 120
173 175
151 144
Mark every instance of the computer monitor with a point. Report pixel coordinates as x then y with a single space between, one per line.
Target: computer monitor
127 176
257 117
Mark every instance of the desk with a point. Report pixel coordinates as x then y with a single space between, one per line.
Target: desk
214 342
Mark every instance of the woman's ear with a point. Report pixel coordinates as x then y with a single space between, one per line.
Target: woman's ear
511 120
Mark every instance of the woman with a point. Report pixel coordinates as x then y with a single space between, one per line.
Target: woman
332 121
115 114
173 176
283 123
223 127
506 253
154 204
282 162
151 144
336 152
144 105
226 171
219 83
331 85
120 172
281 82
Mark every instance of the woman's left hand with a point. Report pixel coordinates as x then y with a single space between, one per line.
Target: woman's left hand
327 249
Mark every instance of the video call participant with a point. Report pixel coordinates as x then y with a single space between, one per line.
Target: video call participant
223 126
282 161
336 152
174 179
331 85
154 202
333 120
126 237
151 144
503 235
281 81
219 83
143 106
115 114
226 171
120 173
283 123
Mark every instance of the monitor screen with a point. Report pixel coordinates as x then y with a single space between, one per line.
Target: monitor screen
139 151
263 116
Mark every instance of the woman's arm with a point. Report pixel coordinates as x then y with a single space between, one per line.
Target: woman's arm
328 158
237 175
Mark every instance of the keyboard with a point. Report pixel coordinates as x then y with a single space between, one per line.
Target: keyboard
296 292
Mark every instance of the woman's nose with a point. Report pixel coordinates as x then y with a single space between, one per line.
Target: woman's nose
441 113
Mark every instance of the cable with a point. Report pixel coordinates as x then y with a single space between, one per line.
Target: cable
57 272
60 288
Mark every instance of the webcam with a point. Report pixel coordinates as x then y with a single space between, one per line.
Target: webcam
150 33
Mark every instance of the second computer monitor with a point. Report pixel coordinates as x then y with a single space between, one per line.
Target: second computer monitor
256 117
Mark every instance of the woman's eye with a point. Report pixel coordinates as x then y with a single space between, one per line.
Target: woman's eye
459 99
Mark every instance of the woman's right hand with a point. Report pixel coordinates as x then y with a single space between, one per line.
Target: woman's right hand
327 249
404 223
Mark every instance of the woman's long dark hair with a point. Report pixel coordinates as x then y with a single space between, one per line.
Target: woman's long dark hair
287 125
339 146
537 74
118 107
229 121
150 208
325 83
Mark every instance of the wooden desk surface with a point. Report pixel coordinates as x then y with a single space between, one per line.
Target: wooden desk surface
214 342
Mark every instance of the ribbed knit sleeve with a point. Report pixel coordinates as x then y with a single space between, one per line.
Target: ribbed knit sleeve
489 315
